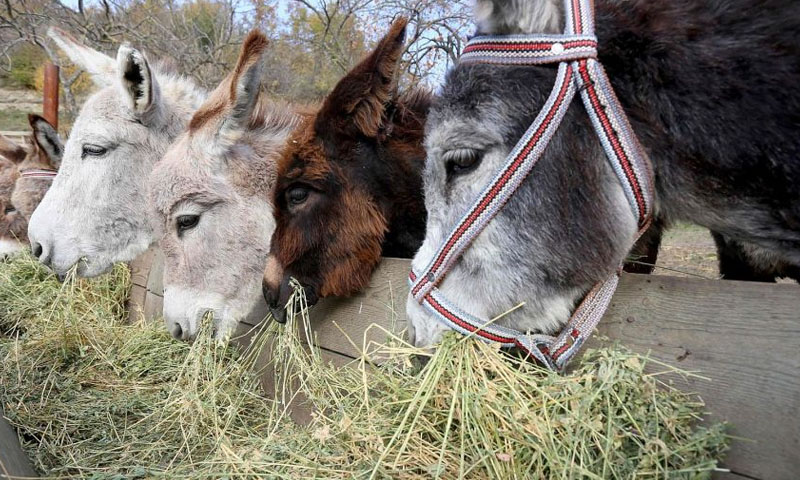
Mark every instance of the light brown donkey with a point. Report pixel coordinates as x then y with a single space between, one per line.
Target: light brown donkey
211 200
26 173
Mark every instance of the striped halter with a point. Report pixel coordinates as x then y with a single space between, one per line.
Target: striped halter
38 173
578 70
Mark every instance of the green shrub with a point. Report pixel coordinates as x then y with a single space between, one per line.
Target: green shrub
24 61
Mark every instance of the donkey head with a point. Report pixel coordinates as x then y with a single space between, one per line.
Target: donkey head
211 196
566 228
348 178
20 195
95 213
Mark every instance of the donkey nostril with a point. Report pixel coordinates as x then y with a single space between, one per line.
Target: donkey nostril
176 331
37 250
269 296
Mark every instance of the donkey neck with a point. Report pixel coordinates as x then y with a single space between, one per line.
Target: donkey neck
700 86
401 150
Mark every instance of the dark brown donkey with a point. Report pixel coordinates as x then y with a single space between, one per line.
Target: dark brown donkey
349 185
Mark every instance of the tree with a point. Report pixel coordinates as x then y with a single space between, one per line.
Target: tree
314 41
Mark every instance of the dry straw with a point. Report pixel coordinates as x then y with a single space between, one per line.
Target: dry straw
95 397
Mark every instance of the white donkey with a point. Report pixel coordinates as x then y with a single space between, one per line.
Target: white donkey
95 213
211 195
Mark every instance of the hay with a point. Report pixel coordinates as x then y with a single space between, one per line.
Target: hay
94 397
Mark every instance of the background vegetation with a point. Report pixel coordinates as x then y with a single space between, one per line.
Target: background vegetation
314 42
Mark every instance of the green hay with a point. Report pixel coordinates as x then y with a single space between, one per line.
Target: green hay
95 397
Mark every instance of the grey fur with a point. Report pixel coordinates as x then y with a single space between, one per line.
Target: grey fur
502 17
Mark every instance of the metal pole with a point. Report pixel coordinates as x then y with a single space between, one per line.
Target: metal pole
50 107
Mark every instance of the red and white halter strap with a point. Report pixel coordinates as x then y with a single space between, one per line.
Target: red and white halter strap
38 173
576 53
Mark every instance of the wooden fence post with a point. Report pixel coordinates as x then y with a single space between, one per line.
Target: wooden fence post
50 106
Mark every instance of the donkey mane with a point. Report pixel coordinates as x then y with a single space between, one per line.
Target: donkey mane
180 90
270 124
409 112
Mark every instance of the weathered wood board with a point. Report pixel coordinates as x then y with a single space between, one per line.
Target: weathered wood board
13 462
744 337
147 291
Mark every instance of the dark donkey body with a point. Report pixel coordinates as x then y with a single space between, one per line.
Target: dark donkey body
349 185
710 89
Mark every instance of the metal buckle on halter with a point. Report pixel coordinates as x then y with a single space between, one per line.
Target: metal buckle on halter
575 52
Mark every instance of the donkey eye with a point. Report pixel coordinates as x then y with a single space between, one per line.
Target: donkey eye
10 209
297 195
90 150
461 160
187 222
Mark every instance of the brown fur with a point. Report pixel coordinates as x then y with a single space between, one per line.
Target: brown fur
360 157
360 102
224 95
11 151
20 196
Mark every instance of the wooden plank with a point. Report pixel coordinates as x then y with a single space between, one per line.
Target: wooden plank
155 278
298 407
147 291
15 136
140 267
153 307
346 325
136 302
744 336
730 476
13 461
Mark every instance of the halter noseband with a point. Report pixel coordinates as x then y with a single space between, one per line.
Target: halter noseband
578 70
38 173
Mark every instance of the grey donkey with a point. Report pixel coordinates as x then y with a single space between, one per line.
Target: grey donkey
710 93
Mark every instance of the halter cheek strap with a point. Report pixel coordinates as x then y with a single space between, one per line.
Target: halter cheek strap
578 70
38 173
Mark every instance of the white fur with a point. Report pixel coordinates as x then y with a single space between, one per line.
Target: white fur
218 268
10 247
99 66
95 213
184 310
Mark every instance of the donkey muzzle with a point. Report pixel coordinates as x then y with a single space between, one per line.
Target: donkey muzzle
276 298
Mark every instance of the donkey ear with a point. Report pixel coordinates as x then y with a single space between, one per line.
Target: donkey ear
47 139
245 87
11 151
503 17
136 78
100 67
361 97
